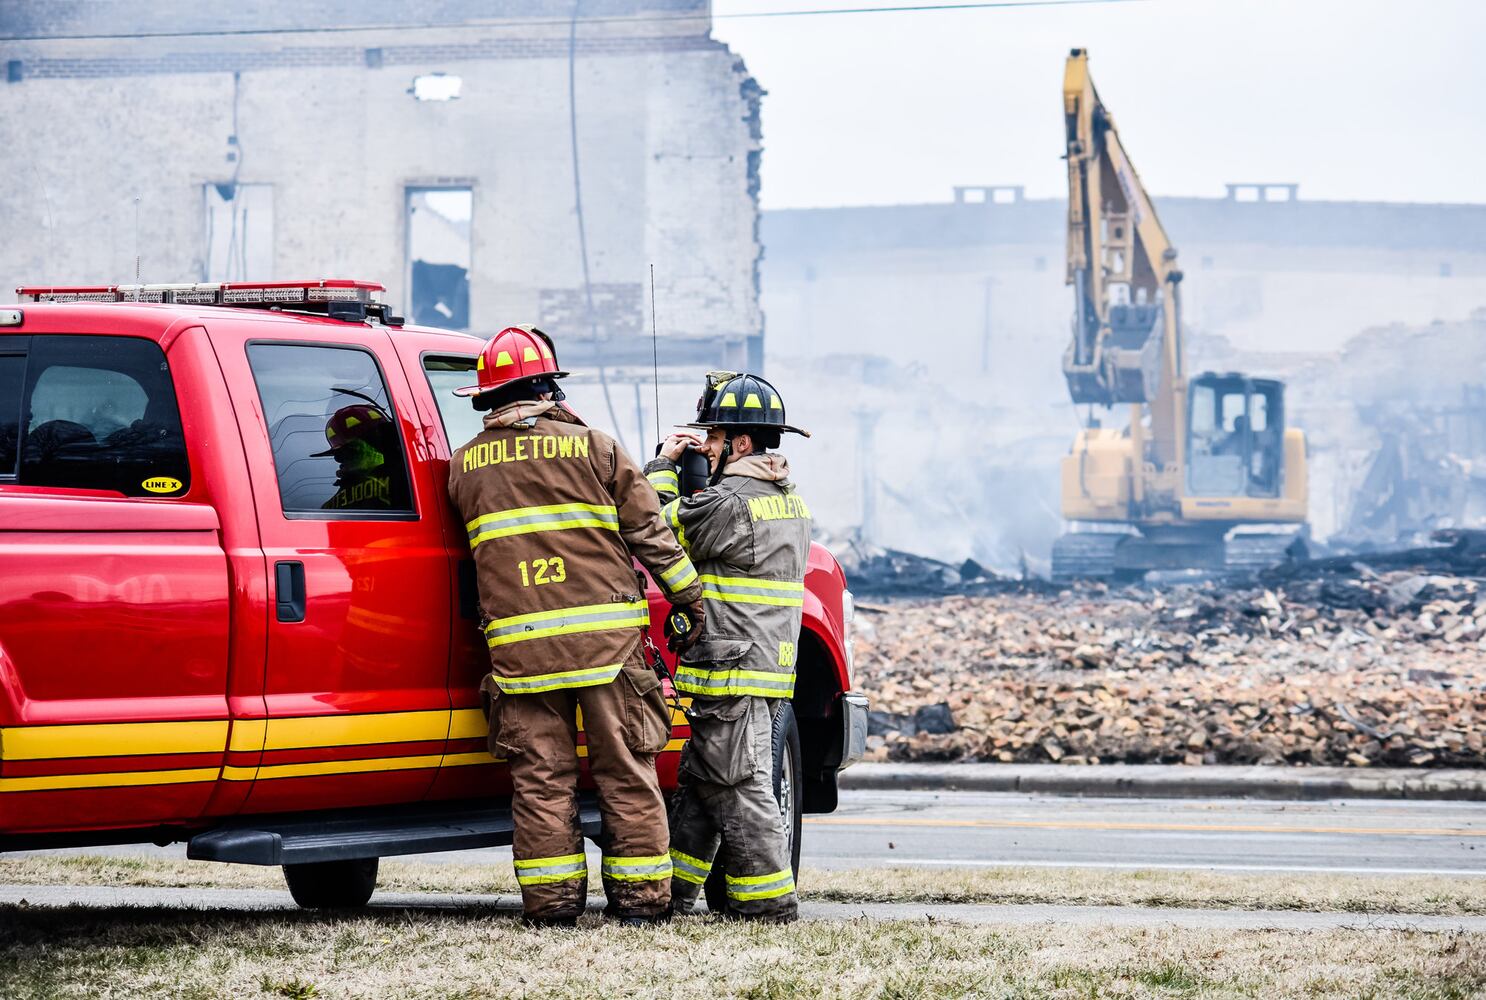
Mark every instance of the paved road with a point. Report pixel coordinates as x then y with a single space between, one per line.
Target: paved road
874 828
971 828
241 900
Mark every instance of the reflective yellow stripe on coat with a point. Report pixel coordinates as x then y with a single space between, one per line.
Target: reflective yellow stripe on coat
721 682
567 621
591 677
744 590
665 479
679 576
553 517
671 513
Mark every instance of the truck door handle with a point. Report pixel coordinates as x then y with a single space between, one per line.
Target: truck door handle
289 590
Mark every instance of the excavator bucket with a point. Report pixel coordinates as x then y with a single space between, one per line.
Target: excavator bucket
1126 362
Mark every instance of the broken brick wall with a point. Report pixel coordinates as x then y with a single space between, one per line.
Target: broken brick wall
327 125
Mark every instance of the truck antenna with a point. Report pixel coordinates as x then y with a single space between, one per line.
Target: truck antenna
136 248
655 352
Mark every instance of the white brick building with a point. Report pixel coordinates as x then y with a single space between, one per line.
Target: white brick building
324 137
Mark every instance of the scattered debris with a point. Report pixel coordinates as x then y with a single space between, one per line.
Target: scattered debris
875 571
1334 661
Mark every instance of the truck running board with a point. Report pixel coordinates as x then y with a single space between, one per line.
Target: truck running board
348 834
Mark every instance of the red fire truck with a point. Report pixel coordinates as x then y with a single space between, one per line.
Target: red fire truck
214 630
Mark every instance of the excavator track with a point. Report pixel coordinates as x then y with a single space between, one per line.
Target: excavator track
1249 553
1085 555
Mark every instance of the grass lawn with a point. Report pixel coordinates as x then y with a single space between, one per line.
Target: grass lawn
1071 886
99 954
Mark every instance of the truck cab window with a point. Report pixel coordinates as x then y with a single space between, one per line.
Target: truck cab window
100 413
336 444
461 420
12 371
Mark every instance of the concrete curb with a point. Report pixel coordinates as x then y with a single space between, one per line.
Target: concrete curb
1172 781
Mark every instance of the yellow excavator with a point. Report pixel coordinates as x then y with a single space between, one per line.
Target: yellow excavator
1206 476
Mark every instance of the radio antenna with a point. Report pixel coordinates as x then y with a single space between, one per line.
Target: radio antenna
655 352
136 248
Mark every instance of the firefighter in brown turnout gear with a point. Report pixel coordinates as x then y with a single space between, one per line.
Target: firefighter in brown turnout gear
748 534
554 511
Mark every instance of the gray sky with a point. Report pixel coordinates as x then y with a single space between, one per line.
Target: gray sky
1354 99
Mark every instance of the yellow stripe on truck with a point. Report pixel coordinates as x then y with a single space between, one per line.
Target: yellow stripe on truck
349 730
112 739
53 782
468 724
312 768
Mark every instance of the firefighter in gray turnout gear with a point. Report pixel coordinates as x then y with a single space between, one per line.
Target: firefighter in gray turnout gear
748 535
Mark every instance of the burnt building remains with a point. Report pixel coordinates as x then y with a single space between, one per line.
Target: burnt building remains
933 334
491 164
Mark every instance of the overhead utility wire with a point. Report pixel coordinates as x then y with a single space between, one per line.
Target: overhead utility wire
911 8
593 329
556 22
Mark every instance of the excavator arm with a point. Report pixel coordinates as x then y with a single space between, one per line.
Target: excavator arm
1126 345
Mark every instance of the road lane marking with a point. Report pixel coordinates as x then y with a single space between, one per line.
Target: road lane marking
1029 824
891 862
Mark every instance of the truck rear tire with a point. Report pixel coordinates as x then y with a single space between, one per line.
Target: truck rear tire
786 793
332 885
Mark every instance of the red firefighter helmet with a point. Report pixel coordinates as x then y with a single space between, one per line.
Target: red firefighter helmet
517 352
357 422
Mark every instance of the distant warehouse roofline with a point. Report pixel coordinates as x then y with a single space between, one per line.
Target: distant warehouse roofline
990 221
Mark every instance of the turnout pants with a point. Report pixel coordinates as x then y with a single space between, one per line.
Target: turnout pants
625 724
727 796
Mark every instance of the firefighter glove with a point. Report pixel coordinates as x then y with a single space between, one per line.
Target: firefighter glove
684 626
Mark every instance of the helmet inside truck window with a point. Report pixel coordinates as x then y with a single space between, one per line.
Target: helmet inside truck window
336 444
461 420
100 413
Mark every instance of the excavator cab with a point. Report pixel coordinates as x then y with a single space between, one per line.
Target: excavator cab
1235 436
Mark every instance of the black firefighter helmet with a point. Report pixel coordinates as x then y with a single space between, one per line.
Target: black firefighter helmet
736 401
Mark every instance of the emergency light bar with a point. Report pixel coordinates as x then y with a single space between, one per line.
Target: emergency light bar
338 298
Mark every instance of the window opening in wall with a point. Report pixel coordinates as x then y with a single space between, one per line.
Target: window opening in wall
439 256
436 87
239 232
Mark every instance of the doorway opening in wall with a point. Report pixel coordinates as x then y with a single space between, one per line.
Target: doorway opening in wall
239 232
438 278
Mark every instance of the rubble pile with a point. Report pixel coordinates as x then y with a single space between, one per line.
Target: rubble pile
1333 663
